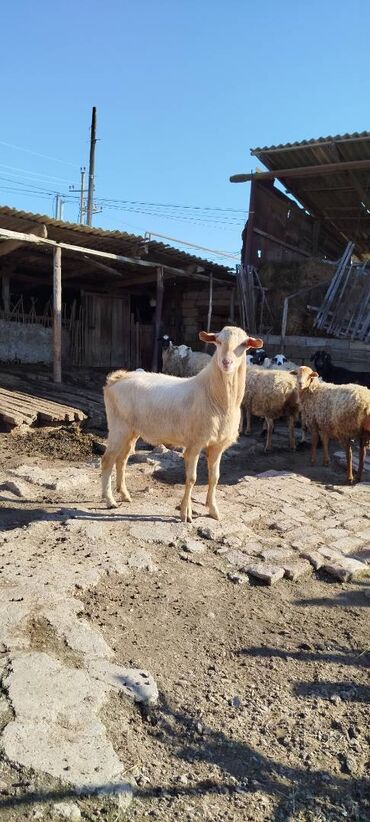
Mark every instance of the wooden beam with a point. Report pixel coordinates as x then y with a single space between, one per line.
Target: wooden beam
57 315
281 242
304 171
11 245
75 249
157 317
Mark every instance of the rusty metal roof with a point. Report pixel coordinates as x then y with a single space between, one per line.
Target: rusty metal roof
118 242
341 197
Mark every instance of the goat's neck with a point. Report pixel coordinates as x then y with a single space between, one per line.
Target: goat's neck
227 389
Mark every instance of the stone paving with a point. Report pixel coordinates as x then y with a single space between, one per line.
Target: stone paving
57 671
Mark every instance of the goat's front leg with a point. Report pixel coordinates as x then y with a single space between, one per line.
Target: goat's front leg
270 428
191 462
314 443
325 448
291 427
214 454
363 444
248 425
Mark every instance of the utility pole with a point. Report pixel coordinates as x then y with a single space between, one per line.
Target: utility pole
82 194
90 195
81 191
59 205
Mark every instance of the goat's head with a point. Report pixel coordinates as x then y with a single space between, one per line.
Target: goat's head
321 360
279 359
305 376
165 342
231 344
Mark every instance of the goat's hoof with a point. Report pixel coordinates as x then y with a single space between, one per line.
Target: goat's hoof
111 503
125 496
214 512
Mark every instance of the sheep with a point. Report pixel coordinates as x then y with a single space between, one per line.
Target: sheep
200 412
336 373
180 360
280 362
341 412
271 394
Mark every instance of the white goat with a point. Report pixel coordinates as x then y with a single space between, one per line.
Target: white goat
181 361
200 412
280 363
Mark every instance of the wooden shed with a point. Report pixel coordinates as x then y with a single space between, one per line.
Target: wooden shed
100 297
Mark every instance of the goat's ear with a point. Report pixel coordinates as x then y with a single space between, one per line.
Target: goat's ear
295 373
205 336
252 342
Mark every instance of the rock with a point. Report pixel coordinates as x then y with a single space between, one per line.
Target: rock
345 569
193 546
316 559
183 779
67 810
267 573
239 559
235 702
279 554
238 579
204 532
294 570
141 560
350 765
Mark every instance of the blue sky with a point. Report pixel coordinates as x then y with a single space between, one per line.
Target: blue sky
183 90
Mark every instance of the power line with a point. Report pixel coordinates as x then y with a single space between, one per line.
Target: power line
37 154
38 174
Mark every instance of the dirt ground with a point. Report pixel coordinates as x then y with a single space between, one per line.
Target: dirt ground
263 703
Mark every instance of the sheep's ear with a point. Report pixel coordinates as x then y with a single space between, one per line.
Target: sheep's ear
205 336
252 342
313 375
295 373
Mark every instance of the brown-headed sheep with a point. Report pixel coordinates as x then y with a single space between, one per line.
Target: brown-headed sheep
271 394
340 412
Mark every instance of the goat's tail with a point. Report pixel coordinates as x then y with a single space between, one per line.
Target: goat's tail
115 376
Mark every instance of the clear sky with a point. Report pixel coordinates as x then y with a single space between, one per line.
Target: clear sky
183 90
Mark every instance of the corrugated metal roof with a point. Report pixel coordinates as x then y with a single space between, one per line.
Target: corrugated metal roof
356 135
341 197
118 242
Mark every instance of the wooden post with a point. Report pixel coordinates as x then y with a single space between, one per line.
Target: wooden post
5 292
157 317
284 324
57 314
250 226
232 306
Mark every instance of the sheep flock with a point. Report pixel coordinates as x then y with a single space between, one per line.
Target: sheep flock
198 403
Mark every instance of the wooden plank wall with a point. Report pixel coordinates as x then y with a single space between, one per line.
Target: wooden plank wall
350 354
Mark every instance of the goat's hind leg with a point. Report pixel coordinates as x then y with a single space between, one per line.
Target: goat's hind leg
107 462
127 448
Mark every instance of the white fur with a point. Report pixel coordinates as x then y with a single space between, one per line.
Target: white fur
200 412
